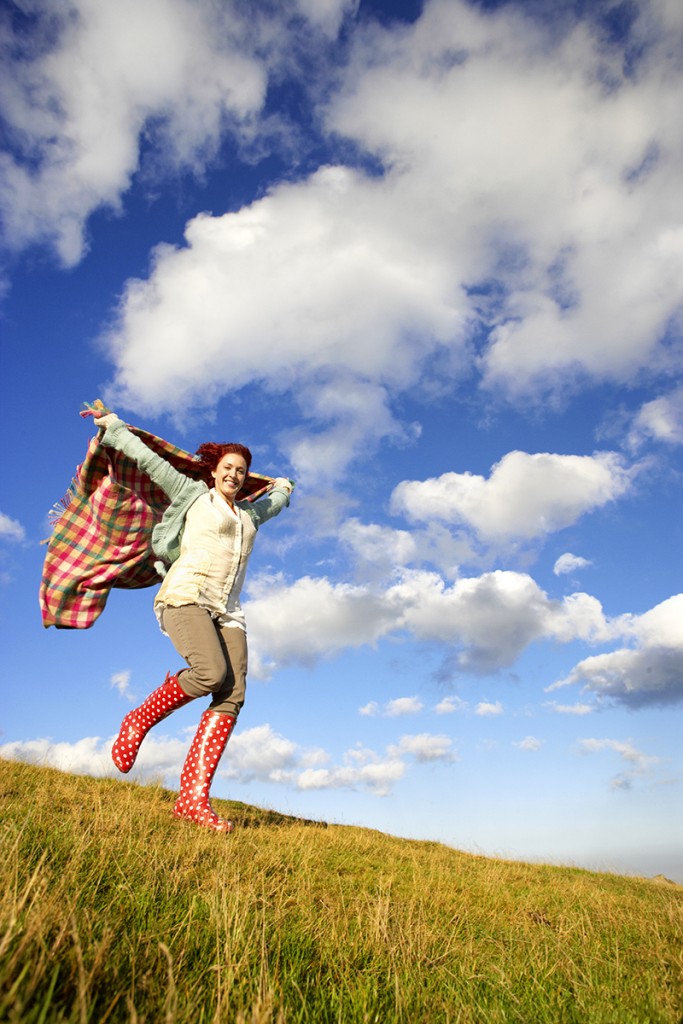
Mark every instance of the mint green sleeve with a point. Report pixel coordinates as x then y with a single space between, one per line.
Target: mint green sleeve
172 482
266 508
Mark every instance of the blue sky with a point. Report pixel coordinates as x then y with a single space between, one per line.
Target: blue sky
428 260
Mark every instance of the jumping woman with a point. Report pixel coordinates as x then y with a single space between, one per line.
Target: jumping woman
206 536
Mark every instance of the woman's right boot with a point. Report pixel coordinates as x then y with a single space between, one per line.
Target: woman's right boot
137 723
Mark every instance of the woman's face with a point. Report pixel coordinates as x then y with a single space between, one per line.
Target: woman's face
229 475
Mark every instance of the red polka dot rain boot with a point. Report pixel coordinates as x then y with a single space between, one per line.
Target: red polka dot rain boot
137 723
198 771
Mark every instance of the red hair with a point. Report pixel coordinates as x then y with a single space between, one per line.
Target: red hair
210 454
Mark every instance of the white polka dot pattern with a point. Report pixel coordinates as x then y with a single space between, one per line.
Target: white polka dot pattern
137 723
198 771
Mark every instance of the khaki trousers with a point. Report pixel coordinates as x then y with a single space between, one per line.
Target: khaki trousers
216 656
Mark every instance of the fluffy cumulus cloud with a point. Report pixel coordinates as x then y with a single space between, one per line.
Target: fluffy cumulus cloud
637 763
661 419
379 546
530 744
121 682
490 618
526 496
259 754
648 673
425 747
568 563
524 223
329 618
579 708
378 773
489 709
403 706
91 81
485 622
380 551
300 288
327 14
361 769
449 705
11 529
557 175
395 708
90 87
88 756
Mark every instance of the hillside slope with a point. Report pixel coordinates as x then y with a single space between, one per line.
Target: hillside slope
113 911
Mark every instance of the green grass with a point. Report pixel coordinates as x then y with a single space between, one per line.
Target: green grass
114 911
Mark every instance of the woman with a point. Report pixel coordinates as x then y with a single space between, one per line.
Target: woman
206 535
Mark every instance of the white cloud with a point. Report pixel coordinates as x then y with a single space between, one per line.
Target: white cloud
568 563
492 617
425 747
323 291
362 770
403 706
638 764
522 201
260 753
348 416
660 419
530 744
160 757
176 72
526 496
381 546
395 708
488 709
313 756
624 749
541 240
450 704
11 529
636 678
651 672
573 709
121 682
88 756
366 769
382 551
327 14
574 210
486 621
580 617
329 617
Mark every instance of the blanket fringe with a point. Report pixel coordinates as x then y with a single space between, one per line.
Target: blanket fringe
62 506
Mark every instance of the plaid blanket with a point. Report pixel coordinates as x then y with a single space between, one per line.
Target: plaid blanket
103 537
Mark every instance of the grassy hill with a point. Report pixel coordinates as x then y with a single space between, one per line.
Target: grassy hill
113 911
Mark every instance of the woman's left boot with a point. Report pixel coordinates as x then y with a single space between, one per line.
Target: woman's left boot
199 768
137 723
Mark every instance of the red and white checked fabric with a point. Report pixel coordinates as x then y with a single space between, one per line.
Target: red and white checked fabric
103 539
198 771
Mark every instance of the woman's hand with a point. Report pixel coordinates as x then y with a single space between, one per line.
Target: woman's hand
283 484
102 416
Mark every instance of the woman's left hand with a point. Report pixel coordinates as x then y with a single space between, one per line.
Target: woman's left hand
283 484
102 416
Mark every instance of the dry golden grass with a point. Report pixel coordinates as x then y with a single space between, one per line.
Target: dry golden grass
113 911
